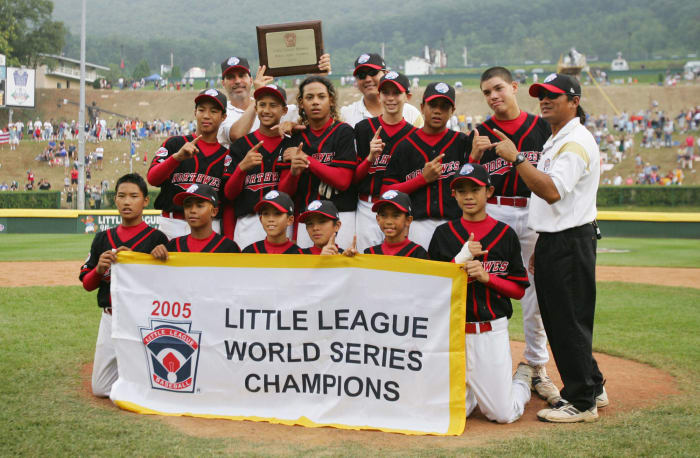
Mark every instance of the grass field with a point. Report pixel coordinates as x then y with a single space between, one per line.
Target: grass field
50 334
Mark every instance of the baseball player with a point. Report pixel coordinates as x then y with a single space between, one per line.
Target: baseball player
276 213
193 159
322 224
323 165
494 279
376 140
424 163
393 210
511 199
254 168
201 203
132 234
369 69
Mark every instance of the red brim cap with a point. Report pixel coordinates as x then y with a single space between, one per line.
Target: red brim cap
210 97
435 96
458 179
376 67
232 67
535 89
262 203
268 90
304 216
379 203
396 83
180 197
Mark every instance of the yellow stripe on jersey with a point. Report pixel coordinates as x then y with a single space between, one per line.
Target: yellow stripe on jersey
577 149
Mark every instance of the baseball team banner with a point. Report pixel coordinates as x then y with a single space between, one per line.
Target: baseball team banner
370 342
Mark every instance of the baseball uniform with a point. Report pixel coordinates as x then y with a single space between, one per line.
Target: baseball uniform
215 243
406 249
263 246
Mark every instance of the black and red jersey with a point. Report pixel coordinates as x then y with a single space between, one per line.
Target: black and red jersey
143 242
317 251
435 199
371 185
218 244
334 147
408 250
261 248
258 180
201 168
503 260
529 138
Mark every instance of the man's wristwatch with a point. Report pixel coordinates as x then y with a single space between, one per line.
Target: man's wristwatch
519 159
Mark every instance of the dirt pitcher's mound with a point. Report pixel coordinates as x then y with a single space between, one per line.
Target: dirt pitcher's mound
663 276
630 385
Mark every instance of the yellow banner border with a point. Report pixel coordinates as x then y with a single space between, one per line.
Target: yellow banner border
362 261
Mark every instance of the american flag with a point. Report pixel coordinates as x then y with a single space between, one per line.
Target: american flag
4 137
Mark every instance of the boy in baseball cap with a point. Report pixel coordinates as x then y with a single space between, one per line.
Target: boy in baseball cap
393 211
490 253
322 223
276 214
201 204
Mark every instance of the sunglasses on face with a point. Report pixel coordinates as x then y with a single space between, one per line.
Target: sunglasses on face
362 74
549 95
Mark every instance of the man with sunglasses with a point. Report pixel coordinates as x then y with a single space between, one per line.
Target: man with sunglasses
511 199
369 69
562 210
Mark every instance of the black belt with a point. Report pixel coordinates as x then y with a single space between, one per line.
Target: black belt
579 231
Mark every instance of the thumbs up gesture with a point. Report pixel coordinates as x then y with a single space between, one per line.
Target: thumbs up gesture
475 247
331 248
188 150
480 143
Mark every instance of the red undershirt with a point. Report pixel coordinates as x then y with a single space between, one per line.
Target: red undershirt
196 245
316 250
322 129
511 126
234 186
161 172
391 129
431 139
392 248
363 167
277 248
269 143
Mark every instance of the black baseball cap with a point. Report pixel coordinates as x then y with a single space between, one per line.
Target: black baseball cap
371 60
278 199
272 89
438 89
233 63
203 191
396 78
557 83
398 199
212 94
320 207
474 172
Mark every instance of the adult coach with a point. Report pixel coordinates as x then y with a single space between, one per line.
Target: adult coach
369 69
511 199
563 211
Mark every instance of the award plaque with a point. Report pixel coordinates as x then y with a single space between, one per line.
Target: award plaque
290 49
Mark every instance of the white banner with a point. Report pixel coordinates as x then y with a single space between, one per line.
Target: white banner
371 342
20 87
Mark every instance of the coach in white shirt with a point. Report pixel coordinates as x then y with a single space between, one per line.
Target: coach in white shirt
369 69
563 211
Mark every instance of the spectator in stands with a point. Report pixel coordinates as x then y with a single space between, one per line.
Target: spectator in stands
44 185
4 187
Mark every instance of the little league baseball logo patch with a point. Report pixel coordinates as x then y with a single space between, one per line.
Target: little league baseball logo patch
233 61
212 92
390 194
391 75
172 355
466 169
550 77
316 204
162 152
363 58
442 88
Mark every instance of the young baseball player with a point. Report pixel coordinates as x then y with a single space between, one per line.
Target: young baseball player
193 159
376 140
511 199
132 234
393 210
424 163
323 165
493 280
201 204
254 168
276 214
322 224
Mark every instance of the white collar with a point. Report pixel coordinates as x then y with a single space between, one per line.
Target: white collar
571 125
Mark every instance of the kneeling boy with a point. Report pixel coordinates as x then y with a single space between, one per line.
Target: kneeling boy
276 214
393 211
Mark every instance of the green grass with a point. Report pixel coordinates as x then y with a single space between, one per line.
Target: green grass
650 252
49 334
44 247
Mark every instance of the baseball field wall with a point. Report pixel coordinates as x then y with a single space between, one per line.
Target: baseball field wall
612 223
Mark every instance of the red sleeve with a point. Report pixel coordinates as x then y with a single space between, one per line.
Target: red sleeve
234 185
228 221
472 160
288 182
361 171
408 187
506 287
161 172
91 281
339 178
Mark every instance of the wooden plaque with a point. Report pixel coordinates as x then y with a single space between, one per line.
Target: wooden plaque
290 49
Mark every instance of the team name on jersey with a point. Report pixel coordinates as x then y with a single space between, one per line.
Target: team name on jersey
182 177
380 163
500 166
496 267
448 169
261 180
324 158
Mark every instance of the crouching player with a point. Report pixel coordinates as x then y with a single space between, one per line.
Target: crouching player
494 280
132 234
276 214
322 223
201 204
393 211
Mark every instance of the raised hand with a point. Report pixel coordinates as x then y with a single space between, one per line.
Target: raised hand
352 251
476 271
188 150
252 159
287 128
331 248
480 143
433 169
475 247
376 146
505 148
261 80
324 64
299 160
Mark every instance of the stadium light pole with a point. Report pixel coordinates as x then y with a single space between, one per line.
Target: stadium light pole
81 116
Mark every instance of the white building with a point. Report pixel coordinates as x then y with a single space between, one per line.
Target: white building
195 72
417 66
63 71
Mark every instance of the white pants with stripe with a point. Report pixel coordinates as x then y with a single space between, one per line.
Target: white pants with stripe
343 239
173 227
104 369
366 227
421 232
535 337
490 383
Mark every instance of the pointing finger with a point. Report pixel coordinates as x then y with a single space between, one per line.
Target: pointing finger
331 241
376 134
500 134
256 147
196 140
439 158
